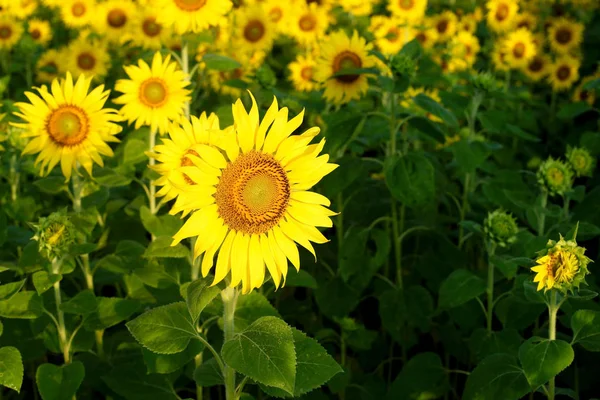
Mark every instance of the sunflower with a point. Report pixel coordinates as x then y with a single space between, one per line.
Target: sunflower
87 57
463 51
48 66
526 20
147 32
301 73
279 13
426 34
408 103
10 32
358 8
445 25
154 95
39 31
390 37
501 14
22 9
538 67
77 13
68 125
564 73
340 52
192 15
407 10
254 30
115 19
308 23
175 164
588 96
256 201
499 57
519 48
565 35
468 24
557 268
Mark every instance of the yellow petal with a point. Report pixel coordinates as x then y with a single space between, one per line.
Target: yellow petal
223 260
267 254
256 263
288 247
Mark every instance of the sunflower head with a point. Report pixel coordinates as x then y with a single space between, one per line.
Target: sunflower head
581 161
500 228
562 266
55 234
555 176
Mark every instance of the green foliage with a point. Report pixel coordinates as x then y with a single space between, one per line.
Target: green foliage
586 329
59 382
11 368
543 359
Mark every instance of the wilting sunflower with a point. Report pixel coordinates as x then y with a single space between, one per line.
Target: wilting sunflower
154 95
68 125
564 73
308 23
77 13
10 32
87 57
147 32
178 172
565 35
301 73
340 52
115 19
192 15
40 31
254 30
589 96
407 10
519 48
538 67
256 202
445 25
390 37
502 14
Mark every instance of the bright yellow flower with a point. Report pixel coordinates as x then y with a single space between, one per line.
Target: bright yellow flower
464 48
526 20
390 37
21 9
565 35
467 23
115 19
589 96
519 48
538 67
153 95
502 14
357 8
279 13
48 66
407 10
445 25
77 13
301 73
10 32
68 125
146 31
225 82
564 73
308 23
192 15
39 31
88 57
254 30
256 202
499 57
426 34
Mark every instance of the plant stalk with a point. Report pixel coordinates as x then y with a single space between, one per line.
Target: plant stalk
552 312
490 287
61 328
152 161
229 297
542 218
463 208
185 67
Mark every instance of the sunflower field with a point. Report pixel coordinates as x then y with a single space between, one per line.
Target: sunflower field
315 199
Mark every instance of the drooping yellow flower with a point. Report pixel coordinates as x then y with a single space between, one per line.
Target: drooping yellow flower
390 37
153 95
257 203
115 19
301 73
192 15
538 67
77 13
564 73
565 35
178 173
407 10
519 48
39 31
146 31
340 52
10 32
88 57
308 23
580 94
67 124
445 25
254 29
502 14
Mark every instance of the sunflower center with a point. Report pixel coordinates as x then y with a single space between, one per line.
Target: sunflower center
5 32
190 5
150 27
442 26
563 73
307 22
421 37
392 35
275 14
86 61
563 36
254 31
306 73
346 60
536 65
78 9
583 95
519 50
36 34
253 193
153 92
556 176
406 4
502 12
67 125
116 18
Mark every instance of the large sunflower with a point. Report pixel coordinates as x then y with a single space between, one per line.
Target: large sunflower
519 48
39 31
407 10
564 73
301 73
115 19
565 35
68 125
340 52
88 57
308 23
10 32
77 13
256 198
155 95
502 14
192 15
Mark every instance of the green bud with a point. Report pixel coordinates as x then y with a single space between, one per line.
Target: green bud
266 77
55 234
403 66
581 161
485 82
555 176
500 228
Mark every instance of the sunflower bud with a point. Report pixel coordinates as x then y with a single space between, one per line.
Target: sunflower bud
555 176
403 66
561 266
54 235
500 228
485 82
581 161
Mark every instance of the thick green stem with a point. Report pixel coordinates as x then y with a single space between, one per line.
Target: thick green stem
229 297
552 312
198 362
490 287
463 208
152 196
61 328
14 177
566 201
542 218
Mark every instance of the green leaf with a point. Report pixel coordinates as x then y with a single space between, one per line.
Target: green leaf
423 377
520 133
11 368
469 155
483 343
219 62
134 151
543 359
167 363
1 328
353 257
132 382
161 248
572 110
23 305
51 184
199 295
498 377
164 330
251 307
593 84
83 303
110 311
109 178
10 289
428 127
586 329
163 225
411 179
59 383
300 279
460 287
435 108
265 353
355 71
208 374
42 281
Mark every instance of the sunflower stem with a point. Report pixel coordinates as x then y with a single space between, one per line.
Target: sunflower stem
198 362
552 312
490 287
61 328
14 178
185 67
229 297
463 208
542 218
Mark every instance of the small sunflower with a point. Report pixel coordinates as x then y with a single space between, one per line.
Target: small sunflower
301 73
358 8
153 95
340 52
308 23
68 125
519 48
390 37
582 162
40 31
254 29
464 48
227 82
192 15
467 23
555 177
147 32
279 13
21 9
564 72
565 35
589 96
257 203
48 66
426 34
538 67
407 10
445 24
88 57
77 13
115 19
502 14
10 32
499 57
526 20
408 103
